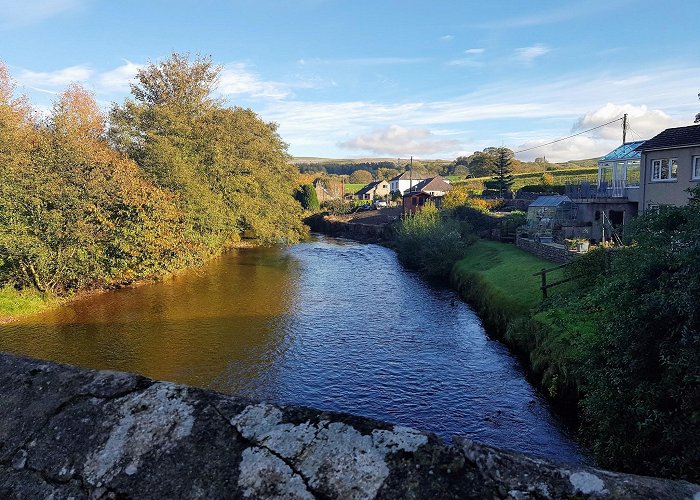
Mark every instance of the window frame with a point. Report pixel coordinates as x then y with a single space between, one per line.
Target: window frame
657 162
695 165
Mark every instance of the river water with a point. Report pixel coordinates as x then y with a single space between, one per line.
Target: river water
330 323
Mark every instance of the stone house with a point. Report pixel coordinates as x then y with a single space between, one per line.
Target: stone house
670 166
377 190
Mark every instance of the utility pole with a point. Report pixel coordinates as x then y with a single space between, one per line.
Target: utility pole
624 128
410 175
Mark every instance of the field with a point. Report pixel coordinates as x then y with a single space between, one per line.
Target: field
562 176
353 188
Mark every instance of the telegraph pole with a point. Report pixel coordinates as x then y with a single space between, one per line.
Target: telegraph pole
624 128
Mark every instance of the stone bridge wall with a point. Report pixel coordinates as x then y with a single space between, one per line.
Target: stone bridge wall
67 432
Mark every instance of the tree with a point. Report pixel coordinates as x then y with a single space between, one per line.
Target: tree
501 169
361 177
229 169
697 117
460 166
385 174
306 195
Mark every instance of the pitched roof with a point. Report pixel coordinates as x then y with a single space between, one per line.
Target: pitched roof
404 176
416 193
436 183
550 201
369 187
677 137
628 151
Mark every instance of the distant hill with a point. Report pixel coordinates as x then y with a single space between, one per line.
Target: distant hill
346 166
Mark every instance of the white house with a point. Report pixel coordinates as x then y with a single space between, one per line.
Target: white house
405 181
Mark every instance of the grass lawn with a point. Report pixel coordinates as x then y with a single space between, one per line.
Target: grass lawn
509 270
353 188
14 304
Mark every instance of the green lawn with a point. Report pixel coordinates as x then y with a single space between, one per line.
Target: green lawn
15 304
508 269
353 188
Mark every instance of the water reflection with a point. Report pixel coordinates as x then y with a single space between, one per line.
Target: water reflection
329 323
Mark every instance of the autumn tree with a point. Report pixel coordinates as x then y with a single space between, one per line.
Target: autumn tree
229 169
361 177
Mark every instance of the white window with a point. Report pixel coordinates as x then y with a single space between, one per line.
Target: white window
664 170
696 167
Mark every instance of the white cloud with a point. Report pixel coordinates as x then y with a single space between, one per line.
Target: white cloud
237 79
53 79
643 122
118 79
398 140
447 38
475 51
16 14
528 54
548 110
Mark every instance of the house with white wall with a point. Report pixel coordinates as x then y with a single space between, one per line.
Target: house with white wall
405 181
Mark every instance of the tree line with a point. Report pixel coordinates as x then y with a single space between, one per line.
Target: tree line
164 180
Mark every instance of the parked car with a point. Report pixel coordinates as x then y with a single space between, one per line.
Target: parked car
380 204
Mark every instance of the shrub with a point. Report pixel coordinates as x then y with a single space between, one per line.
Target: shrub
430 243
337 207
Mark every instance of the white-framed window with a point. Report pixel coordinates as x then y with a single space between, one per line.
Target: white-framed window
665 169
696 168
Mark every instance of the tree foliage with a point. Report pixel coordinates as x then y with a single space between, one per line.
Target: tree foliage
306 195
431 243
642 403
361 177
501 168
176 178
229 169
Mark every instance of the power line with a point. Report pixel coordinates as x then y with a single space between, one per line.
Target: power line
568 137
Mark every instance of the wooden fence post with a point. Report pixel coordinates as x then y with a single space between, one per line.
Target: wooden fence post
544 283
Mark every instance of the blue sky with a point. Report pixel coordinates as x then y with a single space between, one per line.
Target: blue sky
432 79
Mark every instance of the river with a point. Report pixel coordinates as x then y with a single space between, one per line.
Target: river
329 323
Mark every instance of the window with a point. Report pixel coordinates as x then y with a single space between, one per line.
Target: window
664 170
696 167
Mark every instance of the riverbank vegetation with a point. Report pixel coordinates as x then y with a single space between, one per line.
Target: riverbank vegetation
619 344
175 178
616 347
430 243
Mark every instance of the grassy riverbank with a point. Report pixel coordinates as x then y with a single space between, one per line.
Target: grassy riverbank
497 279
15 304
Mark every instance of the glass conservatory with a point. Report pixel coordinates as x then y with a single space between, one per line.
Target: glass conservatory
619 170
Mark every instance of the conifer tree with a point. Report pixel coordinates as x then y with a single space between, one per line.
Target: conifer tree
502 170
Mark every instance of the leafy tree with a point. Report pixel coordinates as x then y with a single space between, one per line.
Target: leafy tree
386 174
306 195
361 177
697 117
229 169
502 170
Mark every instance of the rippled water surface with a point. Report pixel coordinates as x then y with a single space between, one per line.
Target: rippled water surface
330 323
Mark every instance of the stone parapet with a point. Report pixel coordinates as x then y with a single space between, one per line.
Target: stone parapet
67 432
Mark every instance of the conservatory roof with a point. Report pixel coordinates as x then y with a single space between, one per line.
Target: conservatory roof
627 151
550 201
